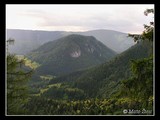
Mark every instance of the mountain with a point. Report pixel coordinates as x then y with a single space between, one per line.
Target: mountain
103 80
69 54
115 40
28 40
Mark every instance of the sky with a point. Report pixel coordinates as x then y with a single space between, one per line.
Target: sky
128 18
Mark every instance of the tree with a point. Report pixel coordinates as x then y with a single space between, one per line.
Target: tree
140 85
147 34
17 78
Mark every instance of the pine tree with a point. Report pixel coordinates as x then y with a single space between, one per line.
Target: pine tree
17 78
147 34
139 86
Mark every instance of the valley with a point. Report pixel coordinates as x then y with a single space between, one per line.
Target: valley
79 60
79 75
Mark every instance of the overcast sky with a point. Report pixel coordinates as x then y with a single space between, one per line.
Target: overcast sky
78 17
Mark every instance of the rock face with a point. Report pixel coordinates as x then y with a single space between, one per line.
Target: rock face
69 54
76 54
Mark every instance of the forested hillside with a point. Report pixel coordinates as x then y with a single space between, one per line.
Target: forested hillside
70 53
103 80
96 90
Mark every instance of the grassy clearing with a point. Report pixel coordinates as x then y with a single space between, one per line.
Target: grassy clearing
58 85
46 77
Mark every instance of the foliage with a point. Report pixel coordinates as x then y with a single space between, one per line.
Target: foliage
139 86
44 106
27 62
63 91
17 78
148 32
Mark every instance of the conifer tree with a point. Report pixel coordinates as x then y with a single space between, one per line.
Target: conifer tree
17 78
140 85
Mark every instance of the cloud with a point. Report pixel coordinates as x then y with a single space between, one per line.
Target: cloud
91 22
122 18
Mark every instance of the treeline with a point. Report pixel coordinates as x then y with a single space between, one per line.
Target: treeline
95 106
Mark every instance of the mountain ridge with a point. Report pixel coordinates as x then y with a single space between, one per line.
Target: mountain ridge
28 40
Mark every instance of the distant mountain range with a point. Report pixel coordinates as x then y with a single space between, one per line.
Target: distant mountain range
28 40
70 53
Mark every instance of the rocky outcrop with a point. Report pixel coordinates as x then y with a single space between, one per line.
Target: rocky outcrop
76 54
